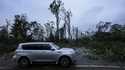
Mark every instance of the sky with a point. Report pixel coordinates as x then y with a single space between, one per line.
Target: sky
86 13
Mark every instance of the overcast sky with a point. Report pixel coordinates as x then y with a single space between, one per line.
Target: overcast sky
86 13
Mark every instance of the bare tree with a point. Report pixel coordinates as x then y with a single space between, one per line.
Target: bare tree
67 21
37 31
7 27
103 26
50 30
55 7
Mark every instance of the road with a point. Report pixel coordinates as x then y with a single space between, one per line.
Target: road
55 67
83 63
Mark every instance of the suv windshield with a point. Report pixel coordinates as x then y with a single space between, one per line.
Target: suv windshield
56 46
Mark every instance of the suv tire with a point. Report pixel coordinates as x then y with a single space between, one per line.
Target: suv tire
65 61
23 62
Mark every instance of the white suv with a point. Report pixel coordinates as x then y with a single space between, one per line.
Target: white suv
27 53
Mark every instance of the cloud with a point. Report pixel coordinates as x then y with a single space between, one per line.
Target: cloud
86 13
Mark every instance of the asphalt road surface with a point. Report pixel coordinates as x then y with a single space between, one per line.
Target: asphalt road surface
54 67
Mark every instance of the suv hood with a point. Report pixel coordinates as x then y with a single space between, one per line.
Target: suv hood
69 50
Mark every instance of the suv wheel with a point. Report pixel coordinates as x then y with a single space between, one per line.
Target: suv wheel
24 62
65 61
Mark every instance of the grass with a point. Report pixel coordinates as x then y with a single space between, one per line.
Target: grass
110 50
70 45
5 48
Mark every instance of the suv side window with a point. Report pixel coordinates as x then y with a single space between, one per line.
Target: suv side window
30 47
45 47
36 47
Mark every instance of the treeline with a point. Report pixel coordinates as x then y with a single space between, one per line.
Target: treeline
22 30
108 41
110 32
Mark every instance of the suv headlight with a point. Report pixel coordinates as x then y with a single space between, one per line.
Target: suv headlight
59 52
14 57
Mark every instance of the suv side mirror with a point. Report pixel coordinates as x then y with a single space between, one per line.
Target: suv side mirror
53 49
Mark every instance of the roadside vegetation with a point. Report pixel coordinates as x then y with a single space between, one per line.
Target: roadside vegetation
107 41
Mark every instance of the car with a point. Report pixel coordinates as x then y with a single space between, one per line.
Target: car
28 53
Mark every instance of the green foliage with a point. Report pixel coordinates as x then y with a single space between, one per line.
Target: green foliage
3 35
116 32
69 43
55 7
109 44
36 31
6 48
20 28
109 50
